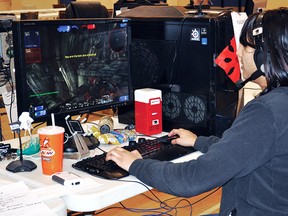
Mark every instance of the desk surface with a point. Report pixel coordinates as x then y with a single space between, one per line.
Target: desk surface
96 193
49 13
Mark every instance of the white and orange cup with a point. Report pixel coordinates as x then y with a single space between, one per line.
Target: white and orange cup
51 149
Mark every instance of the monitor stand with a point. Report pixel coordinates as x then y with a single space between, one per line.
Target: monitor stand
77 146
81 147
91 142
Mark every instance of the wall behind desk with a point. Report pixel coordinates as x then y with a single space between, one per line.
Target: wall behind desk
42 4
271 4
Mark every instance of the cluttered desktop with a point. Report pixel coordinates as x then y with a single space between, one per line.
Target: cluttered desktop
78 66
74 67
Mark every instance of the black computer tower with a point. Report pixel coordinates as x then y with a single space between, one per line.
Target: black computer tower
176 55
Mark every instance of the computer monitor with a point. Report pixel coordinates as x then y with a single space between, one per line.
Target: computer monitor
71 67
253 6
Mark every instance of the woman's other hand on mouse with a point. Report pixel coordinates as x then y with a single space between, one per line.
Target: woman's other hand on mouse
122 157
186 137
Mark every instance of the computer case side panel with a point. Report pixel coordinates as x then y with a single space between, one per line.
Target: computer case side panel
179 60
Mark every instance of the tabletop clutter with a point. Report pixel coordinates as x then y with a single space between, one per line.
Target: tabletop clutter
103 131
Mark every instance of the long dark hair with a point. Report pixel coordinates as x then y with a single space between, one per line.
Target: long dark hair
273 44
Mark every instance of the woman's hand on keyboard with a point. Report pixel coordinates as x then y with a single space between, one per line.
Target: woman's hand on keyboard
186 137
122 157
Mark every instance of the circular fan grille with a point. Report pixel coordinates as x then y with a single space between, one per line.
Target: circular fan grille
117 40
145 67
171 105
195 109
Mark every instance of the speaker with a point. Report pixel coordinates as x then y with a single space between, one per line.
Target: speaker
258 58
176 55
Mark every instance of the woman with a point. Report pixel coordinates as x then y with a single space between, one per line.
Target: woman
250 161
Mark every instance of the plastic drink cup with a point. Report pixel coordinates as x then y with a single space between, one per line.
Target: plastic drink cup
51 149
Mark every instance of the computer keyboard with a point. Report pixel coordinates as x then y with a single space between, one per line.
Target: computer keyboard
159 148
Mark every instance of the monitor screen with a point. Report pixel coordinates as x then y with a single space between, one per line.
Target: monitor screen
71 67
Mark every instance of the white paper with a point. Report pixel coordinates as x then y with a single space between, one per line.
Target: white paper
238 20
16 200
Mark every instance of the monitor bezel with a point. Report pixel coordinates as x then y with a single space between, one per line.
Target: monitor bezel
20 73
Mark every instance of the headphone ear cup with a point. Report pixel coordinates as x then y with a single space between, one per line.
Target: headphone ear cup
259 58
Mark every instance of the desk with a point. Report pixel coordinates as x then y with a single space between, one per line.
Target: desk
103 194
43 13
